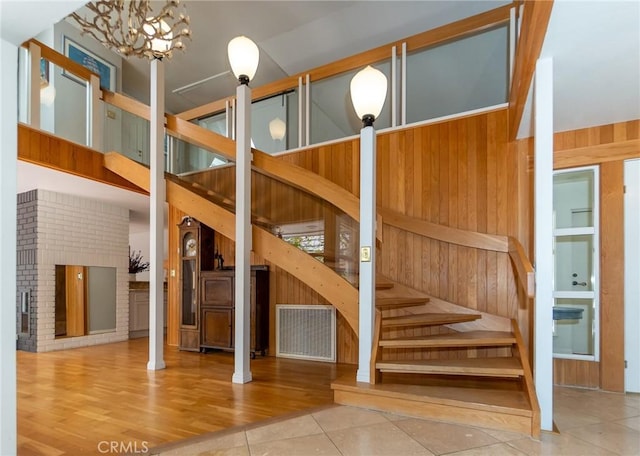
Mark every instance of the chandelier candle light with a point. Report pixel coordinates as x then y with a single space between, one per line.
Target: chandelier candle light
131 28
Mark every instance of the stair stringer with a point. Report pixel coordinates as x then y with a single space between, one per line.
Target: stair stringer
331 286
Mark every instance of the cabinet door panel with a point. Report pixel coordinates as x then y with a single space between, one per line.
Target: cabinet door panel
217 291
217 328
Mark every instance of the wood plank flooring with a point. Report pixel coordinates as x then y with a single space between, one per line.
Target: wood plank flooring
70 401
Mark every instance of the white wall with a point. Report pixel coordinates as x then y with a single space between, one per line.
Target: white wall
8 148
77 231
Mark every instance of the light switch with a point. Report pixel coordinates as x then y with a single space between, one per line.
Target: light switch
365 254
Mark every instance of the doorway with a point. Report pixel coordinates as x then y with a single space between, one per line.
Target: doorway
632 276
576 257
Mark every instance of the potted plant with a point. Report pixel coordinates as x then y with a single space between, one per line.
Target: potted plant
136 263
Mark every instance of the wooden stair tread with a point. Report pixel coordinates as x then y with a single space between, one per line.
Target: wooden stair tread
461 339
428 319
510 402
490 367
382 283
399 302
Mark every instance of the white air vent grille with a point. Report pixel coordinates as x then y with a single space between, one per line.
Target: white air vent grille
306 332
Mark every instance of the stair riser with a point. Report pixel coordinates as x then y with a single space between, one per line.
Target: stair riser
460 415
429 344
453 372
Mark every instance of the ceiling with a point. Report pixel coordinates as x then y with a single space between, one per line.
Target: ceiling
595 46
293 36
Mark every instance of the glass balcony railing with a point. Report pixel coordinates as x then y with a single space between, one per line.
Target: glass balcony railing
303 220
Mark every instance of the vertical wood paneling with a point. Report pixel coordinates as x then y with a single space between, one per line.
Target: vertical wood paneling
453 173
173 276
612 276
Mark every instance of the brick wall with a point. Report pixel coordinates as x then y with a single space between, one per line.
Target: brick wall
58 229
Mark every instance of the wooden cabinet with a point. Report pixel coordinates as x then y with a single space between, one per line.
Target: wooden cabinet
217 307
139 309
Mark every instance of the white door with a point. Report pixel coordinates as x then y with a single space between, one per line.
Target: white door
632 275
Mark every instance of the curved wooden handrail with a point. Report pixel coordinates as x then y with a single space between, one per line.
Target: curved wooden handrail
443 233
496 243
334 288
61 60
523 267
262 162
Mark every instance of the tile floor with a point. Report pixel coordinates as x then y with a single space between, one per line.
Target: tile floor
589 423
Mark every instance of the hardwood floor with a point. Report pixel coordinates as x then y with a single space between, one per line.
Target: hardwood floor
70 401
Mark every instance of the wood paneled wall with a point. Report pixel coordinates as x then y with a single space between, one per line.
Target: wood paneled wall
457 173
600 146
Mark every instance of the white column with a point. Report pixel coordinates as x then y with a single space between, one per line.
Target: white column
94 114
8 149
367 286
34 86
543 170
156 219
242 373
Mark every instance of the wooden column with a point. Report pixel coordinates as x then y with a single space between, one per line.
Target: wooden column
612 276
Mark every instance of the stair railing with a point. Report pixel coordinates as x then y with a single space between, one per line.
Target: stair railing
493 242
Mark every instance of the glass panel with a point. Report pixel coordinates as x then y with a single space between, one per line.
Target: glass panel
305 221
459 76
574 263
188 293
216 123
332 113
186 158
573 199
63 105
269 116
126 134
573 332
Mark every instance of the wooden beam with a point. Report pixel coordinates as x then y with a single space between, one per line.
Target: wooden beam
602 153
535 20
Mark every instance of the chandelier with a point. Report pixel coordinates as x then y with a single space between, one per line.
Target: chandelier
131 28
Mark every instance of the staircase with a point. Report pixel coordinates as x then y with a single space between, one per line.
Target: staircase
445 365
431 358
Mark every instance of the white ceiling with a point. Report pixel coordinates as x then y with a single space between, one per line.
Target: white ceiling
293 36
595 47
31 177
